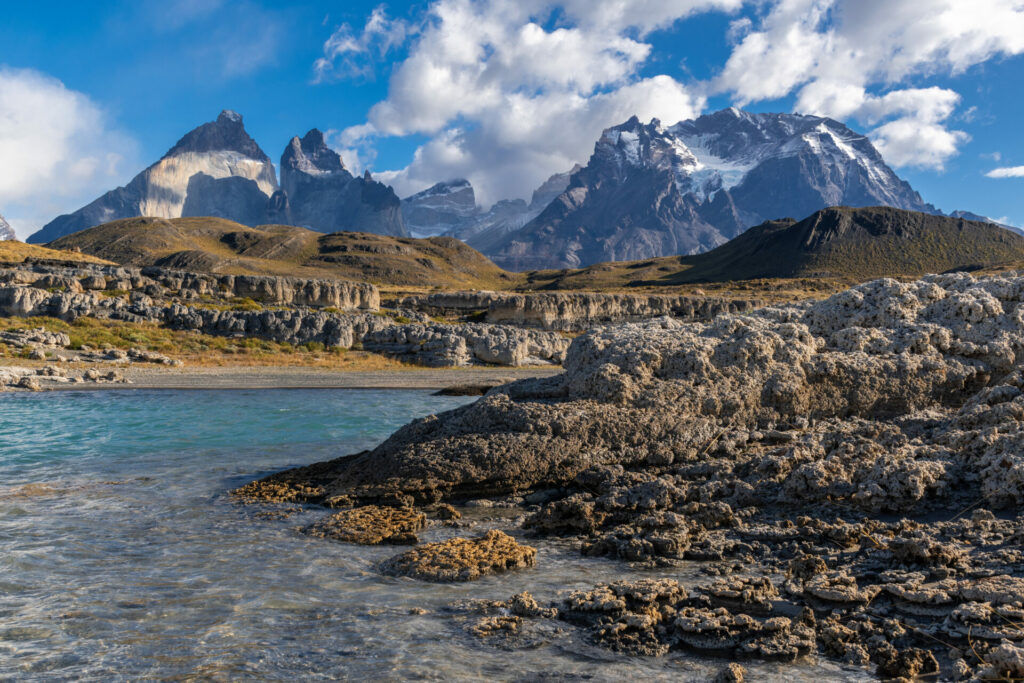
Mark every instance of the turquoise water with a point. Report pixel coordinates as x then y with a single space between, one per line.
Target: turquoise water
122 559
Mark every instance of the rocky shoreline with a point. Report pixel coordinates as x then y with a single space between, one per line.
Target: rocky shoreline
848 473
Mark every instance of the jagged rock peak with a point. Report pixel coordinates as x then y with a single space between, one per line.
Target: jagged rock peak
311 155
227 133
6 231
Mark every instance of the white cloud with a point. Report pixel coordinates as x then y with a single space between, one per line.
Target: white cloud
351 55
831 52
1006 172
507 98
58 149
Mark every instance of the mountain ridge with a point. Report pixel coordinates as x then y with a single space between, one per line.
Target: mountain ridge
650 191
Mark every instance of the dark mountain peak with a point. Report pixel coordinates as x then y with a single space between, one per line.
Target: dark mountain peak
311 155
229 116
226 134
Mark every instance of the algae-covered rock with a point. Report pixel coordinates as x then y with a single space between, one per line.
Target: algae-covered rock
462 559
371 525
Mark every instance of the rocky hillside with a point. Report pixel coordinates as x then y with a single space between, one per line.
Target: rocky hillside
652 191
221 246
838 242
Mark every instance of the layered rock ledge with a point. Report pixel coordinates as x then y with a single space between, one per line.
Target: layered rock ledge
572 311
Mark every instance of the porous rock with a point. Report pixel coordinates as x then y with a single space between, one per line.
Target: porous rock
371 525
462 559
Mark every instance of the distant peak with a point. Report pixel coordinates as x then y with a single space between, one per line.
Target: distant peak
228 115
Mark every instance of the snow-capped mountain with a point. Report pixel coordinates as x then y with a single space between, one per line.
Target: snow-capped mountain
649 190
6 231
318 192
440 208
220 150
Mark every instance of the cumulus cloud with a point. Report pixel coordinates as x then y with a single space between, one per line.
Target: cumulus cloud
831 52
58 149
1006 172
511 91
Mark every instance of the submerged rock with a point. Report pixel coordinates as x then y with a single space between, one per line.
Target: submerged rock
462 559
371 525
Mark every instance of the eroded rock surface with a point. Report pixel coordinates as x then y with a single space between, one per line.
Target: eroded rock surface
572 311
850 470
877 396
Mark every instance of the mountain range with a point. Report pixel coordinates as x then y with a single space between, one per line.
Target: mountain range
647 190
218 170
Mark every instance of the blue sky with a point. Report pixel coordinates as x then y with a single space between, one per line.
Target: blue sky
503 92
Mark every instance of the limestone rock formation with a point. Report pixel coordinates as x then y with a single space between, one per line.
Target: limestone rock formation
294 310
220 149
572 311
666 391
320 194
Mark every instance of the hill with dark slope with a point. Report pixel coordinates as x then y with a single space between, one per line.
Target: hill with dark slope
838 242
222 246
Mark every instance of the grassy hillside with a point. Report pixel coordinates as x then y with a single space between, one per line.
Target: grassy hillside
221 246
17 252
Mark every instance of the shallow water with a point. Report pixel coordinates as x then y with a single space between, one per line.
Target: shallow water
121 558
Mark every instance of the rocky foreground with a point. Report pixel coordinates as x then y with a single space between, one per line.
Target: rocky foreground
850 470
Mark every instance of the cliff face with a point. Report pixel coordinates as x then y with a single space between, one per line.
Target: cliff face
320 194
219 150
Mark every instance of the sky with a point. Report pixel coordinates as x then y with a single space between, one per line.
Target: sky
502 92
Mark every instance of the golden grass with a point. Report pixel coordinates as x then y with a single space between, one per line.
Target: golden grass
12 251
